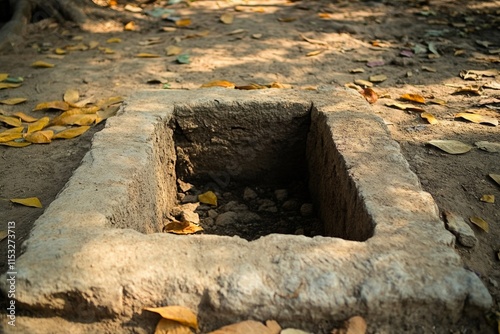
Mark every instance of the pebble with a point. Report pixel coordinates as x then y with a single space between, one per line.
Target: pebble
306 209
184 186
212 214
226 218
207 221
247 217
267 205
290 205
234 206
281 194
457 225
249 194
190 216
299 231
190 199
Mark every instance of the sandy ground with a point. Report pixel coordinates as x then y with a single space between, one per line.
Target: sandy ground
420 46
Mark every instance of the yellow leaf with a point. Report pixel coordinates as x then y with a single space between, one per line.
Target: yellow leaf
377 78
245 327
279 85
227 18
481 223
78 119
404 106
12 130
13 101
208 197
147 55
24 117
438 102
93 44
71 133
4 85
166 326
451 146
38 125
413 97
357 70
7 137
59 51
314 53
39 137
476 90
109 101
183 22
71 96
363 83
429 117
12 121
218 83
177 227
59 105
42 64
16 144
180 314
496 178
107 51
476 118
488 198
130 26
114 40
30 201
3 76
313 41
173 50
252 86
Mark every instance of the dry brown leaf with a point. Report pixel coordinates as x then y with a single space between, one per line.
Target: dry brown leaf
130 26
177 227
39 137
78 119
219 83
9 120
166 326
451 146
4 85
488 198
476 90
183 23
481 223
13 101
30 201
313 41
173 50
104 103
16 144
114 40
42 64
357 70
38 125
476 118
314 53
429 117
438 102
363 83
244 327
180 314
404 106
369 94
377 78
227 18
413 97
492 147
495 177
59 105
6 136
71 133
251 86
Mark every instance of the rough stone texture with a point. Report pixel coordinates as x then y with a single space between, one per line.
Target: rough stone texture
457 225
94 256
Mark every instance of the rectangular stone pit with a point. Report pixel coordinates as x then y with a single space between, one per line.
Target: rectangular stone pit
97 256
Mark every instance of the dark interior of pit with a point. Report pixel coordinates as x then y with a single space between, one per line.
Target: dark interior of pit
252 155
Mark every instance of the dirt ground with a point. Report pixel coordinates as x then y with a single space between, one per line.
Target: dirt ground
421 46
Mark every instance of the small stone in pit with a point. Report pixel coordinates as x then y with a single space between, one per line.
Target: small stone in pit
190 199
226 218
306 209
281 194
249 194
212 214
299 231
290 205
184 186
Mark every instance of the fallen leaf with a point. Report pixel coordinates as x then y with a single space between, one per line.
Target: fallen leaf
132 8
129 26
208 197
77 47
7 137
413 97
12 121
477 74
476 90
219 83
314 53
166 326
287 19
481 223
251 86
357 70
172 50
177 227
183 23
377 78
437 101
429 117
273 326
109 101
71 96
227 18
59 105
496 178
42 64
180 314
183 59
114 40
313 41
3 76
492 85
4 85
107 51
476 118
147 55
354 325
71 133
244 327
78 119
93 44
429 69
256 36
370 95
451 146
38 125
16 144
13 101
39 137
493 147
363 83
432 48
30 201
488 198
404 106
